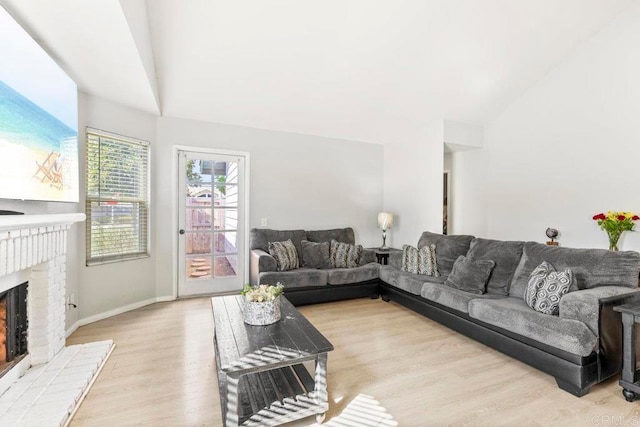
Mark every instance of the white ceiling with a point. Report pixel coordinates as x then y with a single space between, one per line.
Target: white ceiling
375 71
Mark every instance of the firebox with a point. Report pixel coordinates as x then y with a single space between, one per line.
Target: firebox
13 326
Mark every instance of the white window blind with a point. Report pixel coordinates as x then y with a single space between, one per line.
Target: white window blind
117 202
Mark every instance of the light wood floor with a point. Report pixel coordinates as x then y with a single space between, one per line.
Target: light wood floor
162 372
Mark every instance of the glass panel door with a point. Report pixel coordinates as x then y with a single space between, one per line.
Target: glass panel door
212 223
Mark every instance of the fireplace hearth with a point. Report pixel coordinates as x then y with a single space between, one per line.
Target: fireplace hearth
13 327
45 383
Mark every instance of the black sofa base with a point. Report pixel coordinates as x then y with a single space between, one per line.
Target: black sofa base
574 376
328 293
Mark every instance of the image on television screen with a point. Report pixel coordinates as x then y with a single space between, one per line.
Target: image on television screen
38 121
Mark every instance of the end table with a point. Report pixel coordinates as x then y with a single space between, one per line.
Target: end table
629 380
382 255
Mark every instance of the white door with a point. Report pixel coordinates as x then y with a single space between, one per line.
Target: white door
212 223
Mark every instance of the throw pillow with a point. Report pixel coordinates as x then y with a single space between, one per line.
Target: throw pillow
470 275
545 288
420 261
315 255
285 255
344 255
409 259
427 264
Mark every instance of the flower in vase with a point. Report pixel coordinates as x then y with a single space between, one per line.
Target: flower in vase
614 224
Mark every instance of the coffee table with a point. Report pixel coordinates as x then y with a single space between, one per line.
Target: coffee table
261 375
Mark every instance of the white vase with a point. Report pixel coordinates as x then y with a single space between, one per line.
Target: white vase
262 313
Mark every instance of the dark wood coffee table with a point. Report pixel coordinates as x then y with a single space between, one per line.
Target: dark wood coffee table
261 377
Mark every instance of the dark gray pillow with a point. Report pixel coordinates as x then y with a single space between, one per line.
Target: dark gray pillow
545 288
315 255
470 275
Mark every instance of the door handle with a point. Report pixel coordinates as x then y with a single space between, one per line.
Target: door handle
181 231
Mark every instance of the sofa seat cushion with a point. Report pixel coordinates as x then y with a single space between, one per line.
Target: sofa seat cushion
298 278
451 297
409 282
505 254
514 315
345 276
591 267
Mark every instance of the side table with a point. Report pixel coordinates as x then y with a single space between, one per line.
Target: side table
629 379
382 255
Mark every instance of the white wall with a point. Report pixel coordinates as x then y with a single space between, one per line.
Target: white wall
297 181
107 287
566 150
413 186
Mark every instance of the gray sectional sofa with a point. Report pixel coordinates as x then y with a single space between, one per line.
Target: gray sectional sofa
311 285
579 347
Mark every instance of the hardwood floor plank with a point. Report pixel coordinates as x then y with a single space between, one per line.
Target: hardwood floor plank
162 372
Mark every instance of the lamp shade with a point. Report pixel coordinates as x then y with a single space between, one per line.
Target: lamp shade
385 220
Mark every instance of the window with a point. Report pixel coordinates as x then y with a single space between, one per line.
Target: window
117 203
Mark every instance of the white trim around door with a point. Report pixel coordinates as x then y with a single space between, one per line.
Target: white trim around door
175 222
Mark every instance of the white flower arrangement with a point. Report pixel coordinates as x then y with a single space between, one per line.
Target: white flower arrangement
262 293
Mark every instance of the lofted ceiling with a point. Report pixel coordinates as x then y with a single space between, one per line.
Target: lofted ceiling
375 71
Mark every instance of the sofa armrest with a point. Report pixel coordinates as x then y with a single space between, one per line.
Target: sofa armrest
395 259
260 262
585 305
367 256
594 307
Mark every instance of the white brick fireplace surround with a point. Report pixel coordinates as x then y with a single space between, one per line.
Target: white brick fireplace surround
46 387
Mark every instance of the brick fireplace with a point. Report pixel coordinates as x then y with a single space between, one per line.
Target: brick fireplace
33 247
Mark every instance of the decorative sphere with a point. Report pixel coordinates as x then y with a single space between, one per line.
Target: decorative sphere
552 233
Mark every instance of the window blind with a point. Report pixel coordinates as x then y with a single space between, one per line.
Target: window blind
117 199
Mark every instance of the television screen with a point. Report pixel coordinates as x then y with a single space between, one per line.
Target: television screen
38 121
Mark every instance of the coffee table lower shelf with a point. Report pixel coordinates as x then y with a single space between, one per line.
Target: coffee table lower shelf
274 397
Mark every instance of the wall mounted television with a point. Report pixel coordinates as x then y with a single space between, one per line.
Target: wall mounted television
38 121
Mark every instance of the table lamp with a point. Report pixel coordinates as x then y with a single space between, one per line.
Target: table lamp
385 221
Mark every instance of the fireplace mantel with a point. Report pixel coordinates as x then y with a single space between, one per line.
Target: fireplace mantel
17 222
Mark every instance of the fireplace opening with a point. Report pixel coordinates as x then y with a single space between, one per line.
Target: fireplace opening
13 327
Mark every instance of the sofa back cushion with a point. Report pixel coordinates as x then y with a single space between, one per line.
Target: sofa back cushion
505 254
448 249
344 235
591 267
259 238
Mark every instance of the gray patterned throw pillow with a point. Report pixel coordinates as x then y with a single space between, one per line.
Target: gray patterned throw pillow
545 288
420 261
285 255
410 259
344 255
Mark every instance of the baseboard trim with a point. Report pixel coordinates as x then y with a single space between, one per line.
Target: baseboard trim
116 311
